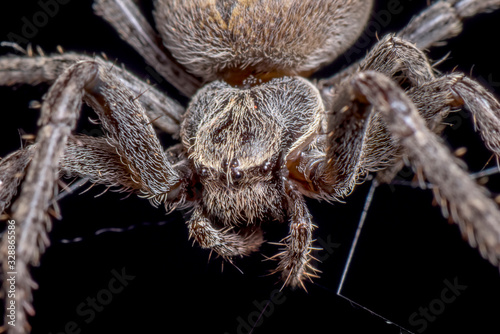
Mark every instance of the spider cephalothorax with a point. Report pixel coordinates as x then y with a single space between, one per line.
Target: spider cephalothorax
239 140
257 136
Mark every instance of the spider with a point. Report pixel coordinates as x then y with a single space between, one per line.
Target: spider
238 173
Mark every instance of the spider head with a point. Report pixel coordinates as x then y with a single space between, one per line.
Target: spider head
239 140
236 151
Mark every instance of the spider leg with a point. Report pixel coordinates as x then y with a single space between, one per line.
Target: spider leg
223 241
393 54
372 95
439 22
59 115
453 91
130 135
484 107
164 112
12 169
95 159
85 157
331 173
355 133
468 203
133 28
402 61
443 20
435 97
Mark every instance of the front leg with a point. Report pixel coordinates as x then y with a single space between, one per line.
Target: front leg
469 204
130 132
60 112
435 97
141 155
347 133
407 133
331 170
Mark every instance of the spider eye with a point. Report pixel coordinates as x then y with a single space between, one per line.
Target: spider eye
234 163
204 172
236 174
266 167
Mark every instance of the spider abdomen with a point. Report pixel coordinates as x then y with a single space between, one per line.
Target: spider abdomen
233 39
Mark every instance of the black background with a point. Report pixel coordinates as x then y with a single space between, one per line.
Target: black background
405 254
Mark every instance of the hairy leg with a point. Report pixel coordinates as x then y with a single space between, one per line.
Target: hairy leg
469 205
164 112
59 115
130 134
439 22
294 259
331 170
402 61
12 169
443 20
395 56
133 28
357 140
435 97
484 107
97 160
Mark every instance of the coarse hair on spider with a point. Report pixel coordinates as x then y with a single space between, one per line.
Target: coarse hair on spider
257 136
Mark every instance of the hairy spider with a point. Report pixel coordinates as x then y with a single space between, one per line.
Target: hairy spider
256 136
